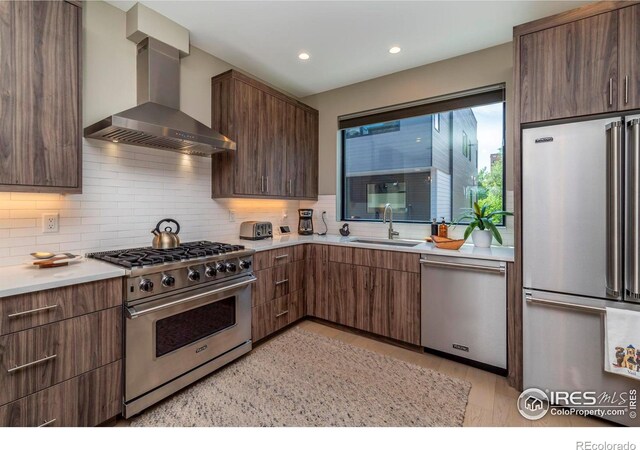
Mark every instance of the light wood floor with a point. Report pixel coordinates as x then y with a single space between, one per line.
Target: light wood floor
492 402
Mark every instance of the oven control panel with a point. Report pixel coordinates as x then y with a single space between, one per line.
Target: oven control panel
172 279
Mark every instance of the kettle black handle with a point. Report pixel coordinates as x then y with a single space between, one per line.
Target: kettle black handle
169 228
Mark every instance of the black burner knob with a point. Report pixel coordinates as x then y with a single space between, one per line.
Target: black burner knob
245 264
146 285
168 281
194 275
221 267
231 267
210 271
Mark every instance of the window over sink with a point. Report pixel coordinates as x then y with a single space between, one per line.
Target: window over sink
428 159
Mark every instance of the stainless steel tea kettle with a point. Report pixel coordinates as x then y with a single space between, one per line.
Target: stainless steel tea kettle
167 238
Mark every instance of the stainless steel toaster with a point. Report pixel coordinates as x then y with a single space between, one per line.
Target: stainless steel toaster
254 230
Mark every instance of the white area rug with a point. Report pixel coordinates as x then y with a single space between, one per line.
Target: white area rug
302 379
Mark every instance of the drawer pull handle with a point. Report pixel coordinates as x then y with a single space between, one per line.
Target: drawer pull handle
573 306
282 282
282 313
281 257
32 363
46 423
31 311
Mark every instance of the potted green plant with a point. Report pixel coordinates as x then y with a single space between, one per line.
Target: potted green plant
482 219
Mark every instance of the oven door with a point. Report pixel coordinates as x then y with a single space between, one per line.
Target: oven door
168 337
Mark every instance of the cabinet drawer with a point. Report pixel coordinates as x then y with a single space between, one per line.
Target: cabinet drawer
269 317
20 312
280 256
383 259
277 281
87 400
40 357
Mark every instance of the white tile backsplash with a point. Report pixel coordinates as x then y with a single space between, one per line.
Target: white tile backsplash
127 190
378 229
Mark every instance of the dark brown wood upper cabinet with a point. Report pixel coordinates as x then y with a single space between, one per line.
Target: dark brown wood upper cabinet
276 136
40 131
570 70
629 57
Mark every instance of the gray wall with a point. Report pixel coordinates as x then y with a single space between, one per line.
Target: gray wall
482 68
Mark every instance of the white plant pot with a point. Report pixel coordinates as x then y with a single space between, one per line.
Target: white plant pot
482 238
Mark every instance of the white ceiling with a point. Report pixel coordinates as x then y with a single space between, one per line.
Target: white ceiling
348 40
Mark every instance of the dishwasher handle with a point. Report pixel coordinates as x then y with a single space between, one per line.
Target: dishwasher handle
501 270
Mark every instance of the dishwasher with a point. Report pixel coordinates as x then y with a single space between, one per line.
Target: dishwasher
464 310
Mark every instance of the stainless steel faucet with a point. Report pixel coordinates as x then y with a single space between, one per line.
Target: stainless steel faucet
388 207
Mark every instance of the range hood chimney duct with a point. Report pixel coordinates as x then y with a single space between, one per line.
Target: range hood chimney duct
157 121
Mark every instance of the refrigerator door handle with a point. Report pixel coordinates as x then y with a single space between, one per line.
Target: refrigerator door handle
633 225
614 209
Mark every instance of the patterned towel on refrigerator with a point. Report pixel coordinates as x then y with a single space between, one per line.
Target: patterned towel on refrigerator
622 342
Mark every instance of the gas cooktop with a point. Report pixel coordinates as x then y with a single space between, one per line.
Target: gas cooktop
147 256
152 272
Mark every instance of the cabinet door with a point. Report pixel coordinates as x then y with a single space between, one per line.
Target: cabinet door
271 158
310 156
349 295
39 110
295 161
629 57
247 105
395 305
316 281
296 305
570 70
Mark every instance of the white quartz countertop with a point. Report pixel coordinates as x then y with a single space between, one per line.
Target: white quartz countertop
466 251
21 279
24 278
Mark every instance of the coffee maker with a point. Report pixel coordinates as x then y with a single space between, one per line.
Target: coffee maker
305 221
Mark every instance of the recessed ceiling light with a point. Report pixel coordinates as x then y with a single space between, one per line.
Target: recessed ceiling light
303 56
394 50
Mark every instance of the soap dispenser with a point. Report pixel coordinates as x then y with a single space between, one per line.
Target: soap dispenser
434 227
443 229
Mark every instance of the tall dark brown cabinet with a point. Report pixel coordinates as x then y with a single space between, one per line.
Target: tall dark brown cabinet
40 105
573 65
277 139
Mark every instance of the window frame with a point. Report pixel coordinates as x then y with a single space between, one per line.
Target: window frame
401 113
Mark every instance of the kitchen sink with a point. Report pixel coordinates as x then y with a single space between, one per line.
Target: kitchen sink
394 242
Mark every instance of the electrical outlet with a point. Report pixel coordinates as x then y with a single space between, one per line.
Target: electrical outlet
232 215
50 223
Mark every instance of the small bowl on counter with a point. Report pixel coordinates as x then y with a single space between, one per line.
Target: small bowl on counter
446 243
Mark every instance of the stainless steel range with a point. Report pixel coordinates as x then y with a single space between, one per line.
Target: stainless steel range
187 313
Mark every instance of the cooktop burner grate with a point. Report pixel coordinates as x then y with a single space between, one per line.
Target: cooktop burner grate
147 256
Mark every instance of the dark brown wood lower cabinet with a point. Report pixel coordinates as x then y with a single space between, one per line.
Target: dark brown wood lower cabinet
87 400
395 305
40 357
316 281
381 301
297 305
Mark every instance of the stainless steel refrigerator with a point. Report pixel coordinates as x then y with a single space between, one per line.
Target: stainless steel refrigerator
581 249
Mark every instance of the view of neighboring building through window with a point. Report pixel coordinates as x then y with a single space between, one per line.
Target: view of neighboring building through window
428 166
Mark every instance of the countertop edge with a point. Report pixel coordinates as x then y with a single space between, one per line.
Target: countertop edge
106 272
505 254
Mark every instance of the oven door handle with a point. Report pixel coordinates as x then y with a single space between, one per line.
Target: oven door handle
132 313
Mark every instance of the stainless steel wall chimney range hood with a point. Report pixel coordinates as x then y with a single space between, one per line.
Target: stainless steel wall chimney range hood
157 121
